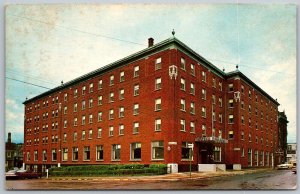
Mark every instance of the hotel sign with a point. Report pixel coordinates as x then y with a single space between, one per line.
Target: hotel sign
211 139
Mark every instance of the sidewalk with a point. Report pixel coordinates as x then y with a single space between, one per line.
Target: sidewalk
165 177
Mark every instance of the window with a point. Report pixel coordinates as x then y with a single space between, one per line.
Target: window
83 90
83 135
111 114
65 97
121 94
230 87
75 93
230 134
192 125
256 157
99 135
182 125
65 154
203 94
121 112
203 112
136 90
75 153
220 118
65 137
192 89
242 89
158 84
203 76
217 154
220 134
249 94
242 119
182 63
135 127
65 123
186 152
91 88
83 120
230 103
111 80
214 82
65 110
242 135
220 86
136 71
111 97
243 153
99 152
75 136
192 69
54 155
249 108
28 156
249 157
111 131
213 99
157 150
230 117
75 121
99 100
158 104
35 155
182 84
158 63
136 153
135 109
220 102
182 105
75 107
157 124
99 116
100 84
121 129
90 103
116 152
44 155
192 108
86 153
83 105
122 76
90 133
242 104
250 137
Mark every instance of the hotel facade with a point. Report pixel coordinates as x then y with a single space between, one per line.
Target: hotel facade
164 104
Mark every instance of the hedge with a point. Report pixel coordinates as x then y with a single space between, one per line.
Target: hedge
112 170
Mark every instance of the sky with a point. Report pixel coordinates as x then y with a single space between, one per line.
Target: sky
45 44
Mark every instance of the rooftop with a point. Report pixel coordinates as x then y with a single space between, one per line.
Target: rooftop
163 45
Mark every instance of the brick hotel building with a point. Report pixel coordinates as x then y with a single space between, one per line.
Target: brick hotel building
147 108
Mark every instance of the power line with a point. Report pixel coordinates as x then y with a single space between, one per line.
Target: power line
26 82
77 30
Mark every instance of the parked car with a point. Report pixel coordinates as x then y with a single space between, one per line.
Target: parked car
11 174
284 166
294 168
28 174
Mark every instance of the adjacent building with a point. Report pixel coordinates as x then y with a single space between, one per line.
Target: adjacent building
291 152
282 137
153 107
13 154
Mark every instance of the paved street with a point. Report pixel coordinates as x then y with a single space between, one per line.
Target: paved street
247 179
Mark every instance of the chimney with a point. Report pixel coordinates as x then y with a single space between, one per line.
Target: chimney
150 42
9 137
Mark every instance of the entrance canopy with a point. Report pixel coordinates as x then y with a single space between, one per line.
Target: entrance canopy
211 139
